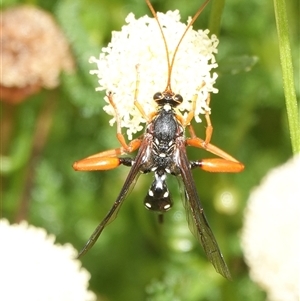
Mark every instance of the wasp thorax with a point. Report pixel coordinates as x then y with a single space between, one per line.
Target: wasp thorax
168 98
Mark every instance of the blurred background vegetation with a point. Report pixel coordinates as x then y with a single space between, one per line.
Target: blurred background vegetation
136 258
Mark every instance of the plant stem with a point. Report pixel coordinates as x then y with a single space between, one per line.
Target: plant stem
215 16
43 127
287 73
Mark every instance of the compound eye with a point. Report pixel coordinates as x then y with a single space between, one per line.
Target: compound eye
157 96
178 98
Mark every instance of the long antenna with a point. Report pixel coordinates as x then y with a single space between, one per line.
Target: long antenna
165 42
170 64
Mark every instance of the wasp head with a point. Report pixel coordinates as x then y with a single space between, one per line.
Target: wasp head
167 98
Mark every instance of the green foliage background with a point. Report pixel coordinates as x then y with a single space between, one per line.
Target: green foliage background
135 258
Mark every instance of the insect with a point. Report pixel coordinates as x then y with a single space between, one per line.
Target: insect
162 151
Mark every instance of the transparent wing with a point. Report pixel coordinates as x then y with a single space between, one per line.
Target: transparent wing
128 185
196 218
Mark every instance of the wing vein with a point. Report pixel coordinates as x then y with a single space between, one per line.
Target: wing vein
195 215
129 182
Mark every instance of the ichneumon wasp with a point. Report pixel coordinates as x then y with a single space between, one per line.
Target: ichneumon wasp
162 150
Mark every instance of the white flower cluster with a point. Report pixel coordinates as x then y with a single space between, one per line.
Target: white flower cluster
34 268
271 232
140 43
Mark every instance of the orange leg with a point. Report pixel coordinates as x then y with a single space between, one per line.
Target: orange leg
198 142
108 159
212 164
186 122
139 106
126 148
120 136
226 164
218 165
136 93
148 118
209 127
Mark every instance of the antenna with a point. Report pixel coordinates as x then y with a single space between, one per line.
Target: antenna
171 63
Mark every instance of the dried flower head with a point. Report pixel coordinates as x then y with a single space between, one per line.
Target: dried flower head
139 45
34 52
270 236
34 268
